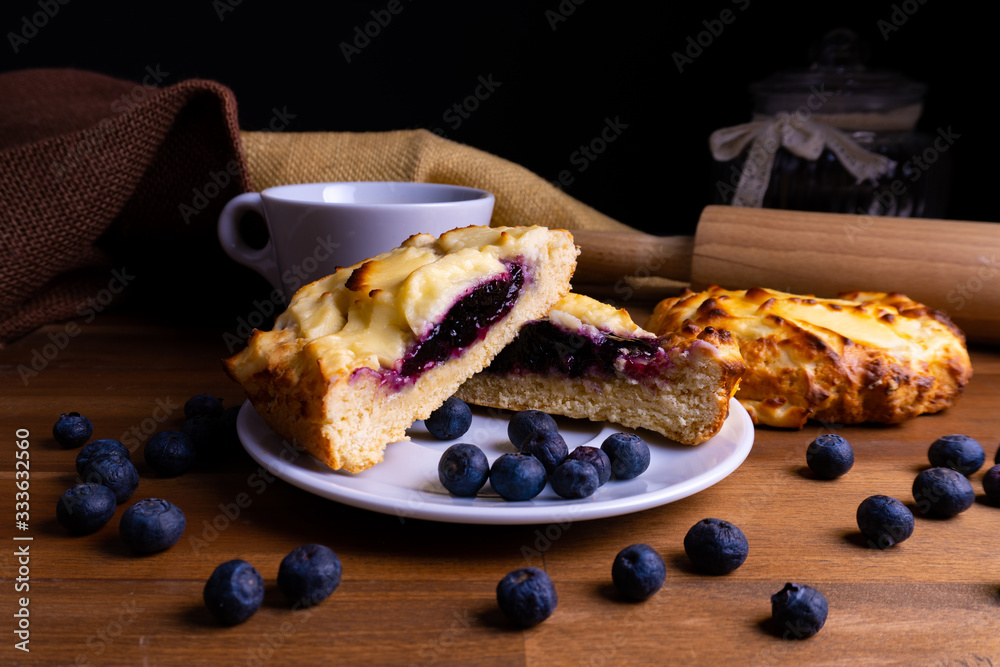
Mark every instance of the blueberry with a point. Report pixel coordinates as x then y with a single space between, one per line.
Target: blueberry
517 476
309 574
798 611
115 472
151 525
72 429
96 450
547 446
451 420
203 404
203 431
942 492
574 479
463 469
526 422
958 452
715 546
169 453
991 484
597 458
527 596
84 508
638 571
234 592
884 521
829 456
225 427
629 454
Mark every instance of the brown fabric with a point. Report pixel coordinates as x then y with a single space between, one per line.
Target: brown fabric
105 182
522 197
93 166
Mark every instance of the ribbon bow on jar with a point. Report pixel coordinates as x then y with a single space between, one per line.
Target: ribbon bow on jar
804 136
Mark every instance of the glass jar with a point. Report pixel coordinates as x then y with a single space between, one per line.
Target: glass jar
836 137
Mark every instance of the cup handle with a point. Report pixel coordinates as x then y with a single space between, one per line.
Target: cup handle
262 260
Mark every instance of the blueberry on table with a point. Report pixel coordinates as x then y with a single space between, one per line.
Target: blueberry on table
72 429
451 420
152 525
942 492
715 546
169 453
638 572
84 508
597 458
527 596
798 611
97 449
829 456
991 484
524 423
463 469
203 431
574 479
203 404
629 454
884 521
309 574
958 452
517 476
234 592
547 446
115 472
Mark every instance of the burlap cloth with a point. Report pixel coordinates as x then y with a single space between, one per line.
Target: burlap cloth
111 188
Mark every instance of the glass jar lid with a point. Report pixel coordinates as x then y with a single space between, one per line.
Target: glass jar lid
838 82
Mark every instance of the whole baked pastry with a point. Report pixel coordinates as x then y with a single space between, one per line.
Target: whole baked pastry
360 355
862 357
587 359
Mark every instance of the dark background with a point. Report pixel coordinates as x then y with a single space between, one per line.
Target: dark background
558 80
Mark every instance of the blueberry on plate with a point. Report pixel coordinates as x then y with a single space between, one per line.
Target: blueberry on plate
884 521
234 592
574 479
115 472
152 525
958 452
309 574
72 429
84 508
451 420
942 492
798 611
991 484
638 572
97 449
203 404
547 446
829 456
463 469
527 596
629 454
524 423
169 453
517 476
715 546
597 458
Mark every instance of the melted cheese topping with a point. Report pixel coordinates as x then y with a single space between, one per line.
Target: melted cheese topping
367 315
575 312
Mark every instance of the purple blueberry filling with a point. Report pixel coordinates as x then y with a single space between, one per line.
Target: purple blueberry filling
467 322
543 348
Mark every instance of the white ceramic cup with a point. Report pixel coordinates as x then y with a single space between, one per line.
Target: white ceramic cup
317 227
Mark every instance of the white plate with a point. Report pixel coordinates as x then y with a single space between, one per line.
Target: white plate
405 483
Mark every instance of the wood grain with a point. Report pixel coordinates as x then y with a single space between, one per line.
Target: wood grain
417 592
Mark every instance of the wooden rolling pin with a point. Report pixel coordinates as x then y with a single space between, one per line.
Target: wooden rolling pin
950 265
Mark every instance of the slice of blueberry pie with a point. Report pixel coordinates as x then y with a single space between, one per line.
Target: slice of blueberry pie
587 359
360 355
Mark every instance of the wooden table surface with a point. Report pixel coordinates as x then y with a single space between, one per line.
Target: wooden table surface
418 592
